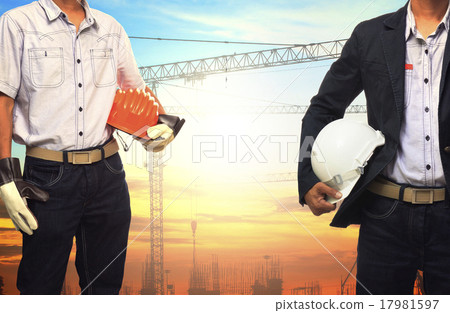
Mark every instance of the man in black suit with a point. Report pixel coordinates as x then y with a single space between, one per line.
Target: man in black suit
400 61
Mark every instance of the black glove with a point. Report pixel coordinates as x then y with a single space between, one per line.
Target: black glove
174 122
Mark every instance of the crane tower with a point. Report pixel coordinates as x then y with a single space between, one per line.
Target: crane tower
153 282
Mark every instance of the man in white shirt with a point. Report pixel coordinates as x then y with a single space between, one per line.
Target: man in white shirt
60 65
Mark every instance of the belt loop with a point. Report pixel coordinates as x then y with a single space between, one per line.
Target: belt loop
447 198
65 159
401 192
103 153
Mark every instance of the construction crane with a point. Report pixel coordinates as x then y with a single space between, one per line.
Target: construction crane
197 70
153 271
271 109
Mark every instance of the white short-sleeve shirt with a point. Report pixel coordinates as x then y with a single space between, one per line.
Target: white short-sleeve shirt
63 82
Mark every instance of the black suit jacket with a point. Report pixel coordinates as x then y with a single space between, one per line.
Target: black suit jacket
373 61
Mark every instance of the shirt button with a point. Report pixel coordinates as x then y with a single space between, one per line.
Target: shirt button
426 51
80 133
427 138
447 149
80 85
426 80
428 166
427 109
78 61
80 109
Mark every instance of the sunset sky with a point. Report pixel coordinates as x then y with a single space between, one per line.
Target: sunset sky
241 216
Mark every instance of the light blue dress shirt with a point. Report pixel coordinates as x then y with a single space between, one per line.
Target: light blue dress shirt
63 81
418 160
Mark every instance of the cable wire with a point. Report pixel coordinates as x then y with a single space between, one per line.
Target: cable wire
218 41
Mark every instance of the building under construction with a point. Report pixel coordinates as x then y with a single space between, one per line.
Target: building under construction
308 289
267 277
204 278
147 285
263 277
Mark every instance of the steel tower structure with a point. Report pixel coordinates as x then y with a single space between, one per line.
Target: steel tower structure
156 227
153 270
197 70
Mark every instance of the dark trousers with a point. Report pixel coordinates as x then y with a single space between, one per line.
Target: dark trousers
89 202
396 239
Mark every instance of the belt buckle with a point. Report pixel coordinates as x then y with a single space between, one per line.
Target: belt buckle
414 196
74 157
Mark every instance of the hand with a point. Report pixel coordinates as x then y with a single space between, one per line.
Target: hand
14 191
160 136
316 198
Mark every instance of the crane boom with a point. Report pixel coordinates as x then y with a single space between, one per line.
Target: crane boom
199 68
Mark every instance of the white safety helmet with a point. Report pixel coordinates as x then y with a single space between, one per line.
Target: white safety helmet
340 153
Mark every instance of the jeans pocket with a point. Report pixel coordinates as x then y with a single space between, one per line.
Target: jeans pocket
43 175
114 164
379 207
103 67
46 67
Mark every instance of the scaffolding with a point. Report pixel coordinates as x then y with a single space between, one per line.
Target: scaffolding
204 278
310 288
348 289
243 278
268 278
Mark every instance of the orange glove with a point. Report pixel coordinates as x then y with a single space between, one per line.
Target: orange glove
133 111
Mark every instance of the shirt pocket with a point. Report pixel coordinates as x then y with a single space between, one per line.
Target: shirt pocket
103 67
46 67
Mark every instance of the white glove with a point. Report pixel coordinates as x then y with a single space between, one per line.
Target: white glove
17 209
160 136
14 190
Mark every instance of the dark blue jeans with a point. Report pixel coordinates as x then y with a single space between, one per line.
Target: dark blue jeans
89 202
396 239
